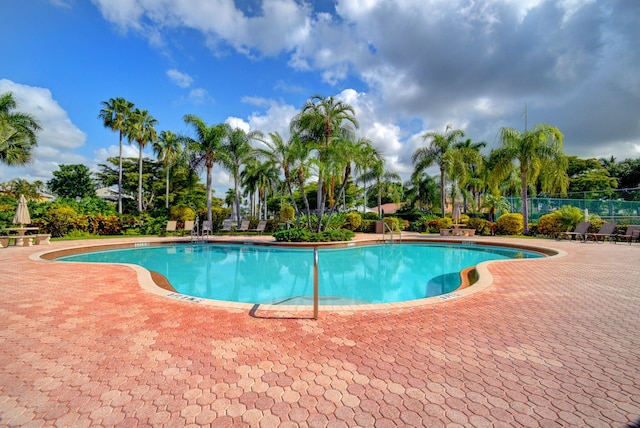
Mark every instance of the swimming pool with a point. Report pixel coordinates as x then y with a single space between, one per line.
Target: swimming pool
284 276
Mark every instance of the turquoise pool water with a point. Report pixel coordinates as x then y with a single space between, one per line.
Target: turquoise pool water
276 275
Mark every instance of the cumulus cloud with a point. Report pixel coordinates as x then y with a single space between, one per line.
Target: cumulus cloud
57 140
181 79
429 63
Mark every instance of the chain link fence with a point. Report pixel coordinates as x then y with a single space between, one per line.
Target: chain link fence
621 211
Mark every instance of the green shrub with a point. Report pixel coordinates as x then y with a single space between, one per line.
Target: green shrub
353 221
550 225
569 216
510 224
367 226
287 213
444 223
482 226
370 216
182 213
304 235
394 223
59 219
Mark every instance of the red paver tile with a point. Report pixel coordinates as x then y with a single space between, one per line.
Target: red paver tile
539 347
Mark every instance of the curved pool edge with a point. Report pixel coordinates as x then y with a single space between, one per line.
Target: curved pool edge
145 278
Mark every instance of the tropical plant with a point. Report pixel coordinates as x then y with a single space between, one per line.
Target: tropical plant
205 149
17 133
141 129
436 152
538 154
115 114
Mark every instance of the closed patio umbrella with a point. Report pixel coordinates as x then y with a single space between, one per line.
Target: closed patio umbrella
22 216
456 213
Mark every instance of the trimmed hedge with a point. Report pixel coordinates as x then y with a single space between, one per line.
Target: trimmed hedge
305 235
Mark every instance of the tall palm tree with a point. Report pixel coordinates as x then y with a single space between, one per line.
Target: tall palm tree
141 129
17 133
205 149
439 145
370 157
462 160
533 153
263 177
235 151
282 155
320 122
168 148
115 114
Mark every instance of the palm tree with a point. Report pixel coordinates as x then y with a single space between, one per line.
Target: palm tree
535 152
17 133
141 129
260 176
236 150
370 158
168 148
115 114
439 145
206 149
320 122
461 161
350 154
281 155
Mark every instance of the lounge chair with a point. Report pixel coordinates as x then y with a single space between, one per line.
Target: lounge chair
244 226
262 224
189 227
606 232
226 226
631 234
207 229
172 226
580 231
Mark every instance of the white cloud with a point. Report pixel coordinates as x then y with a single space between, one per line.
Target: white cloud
199 96
236 122
181 79
57 140
433 62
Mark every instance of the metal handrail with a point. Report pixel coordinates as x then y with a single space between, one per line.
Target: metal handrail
385 225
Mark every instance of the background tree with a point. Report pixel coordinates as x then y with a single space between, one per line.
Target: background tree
533 153
17 133
141 129
72 181
439 145
115 114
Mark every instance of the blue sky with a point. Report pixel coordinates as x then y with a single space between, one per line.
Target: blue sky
407 66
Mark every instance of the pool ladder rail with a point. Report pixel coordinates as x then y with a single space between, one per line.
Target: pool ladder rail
386 227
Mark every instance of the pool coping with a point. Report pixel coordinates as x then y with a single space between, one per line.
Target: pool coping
157 284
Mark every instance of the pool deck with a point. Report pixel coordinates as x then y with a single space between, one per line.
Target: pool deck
549 342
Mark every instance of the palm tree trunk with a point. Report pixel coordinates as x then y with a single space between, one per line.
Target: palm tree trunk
140 179
120 176
443 200
525 210
166 196
209 179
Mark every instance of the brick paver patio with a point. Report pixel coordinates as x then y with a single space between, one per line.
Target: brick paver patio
552 342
